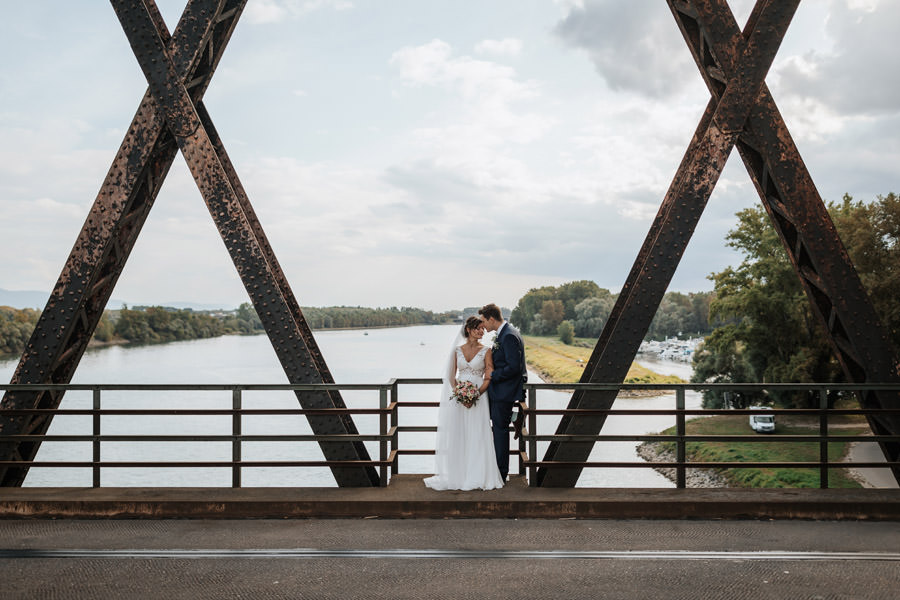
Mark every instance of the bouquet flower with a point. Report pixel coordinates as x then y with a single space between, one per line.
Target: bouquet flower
466 393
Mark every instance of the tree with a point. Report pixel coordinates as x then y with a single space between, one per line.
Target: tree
566 332
570 294
591 314
768 332
871 234
529 305
552 312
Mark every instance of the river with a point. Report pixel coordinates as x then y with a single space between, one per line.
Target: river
354 356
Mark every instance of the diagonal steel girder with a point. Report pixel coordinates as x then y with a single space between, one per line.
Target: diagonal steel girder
786 189
252 257
716 134
109 234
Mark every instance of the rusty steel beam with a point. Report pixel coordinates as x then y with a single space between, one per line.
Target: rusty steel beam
113 226
109 233
716 135
786 189
247 252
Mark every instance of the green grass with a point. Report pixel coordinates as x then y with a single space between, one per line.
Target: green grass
562 363
767 452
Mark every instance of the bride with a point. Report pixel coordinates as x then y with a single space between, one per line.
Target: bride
464 452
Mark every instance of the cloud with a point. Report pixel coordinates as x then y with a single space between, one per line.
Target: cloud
434 64
852 77
274 11
504 47
639 49
490 110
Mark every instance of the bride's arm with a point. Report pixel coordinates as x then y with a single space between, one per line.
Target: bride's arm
451 376
488 371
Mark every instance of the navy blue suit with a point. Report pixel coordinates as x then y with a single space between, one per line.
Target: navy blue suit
506 388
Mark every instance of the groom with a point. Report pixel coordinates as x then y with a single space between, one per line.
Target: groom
507 382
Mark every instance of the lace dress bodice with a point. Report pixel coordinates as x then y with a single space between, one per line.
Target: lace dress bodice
470 370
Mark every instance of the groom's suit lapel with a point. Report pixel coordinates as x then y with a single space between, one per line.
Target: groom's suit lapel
501 333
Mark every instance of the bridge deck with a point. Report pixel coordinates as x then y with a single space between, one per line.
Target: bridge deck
407 497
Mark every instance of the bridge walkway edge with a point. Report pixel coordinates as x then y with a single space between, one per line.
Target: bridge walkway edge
406 497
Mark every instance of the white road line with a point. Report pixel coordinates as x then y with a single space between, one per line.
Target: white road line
315 553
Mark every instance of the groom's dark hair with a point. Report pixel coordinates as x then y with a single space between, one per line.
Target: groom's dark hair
490 311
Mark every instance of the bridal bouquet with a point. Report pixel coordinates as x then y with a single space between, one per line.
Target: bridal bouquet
466 393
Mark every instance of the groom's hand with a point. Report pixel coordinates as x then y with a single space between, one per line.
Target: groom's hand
518 423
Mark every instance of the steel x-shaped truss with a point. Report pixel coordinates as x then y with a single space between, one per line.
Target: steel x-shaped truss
171 116
741 112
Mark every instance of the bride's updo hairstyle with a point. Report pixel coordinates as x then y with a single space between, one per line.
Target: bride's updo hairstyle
471 324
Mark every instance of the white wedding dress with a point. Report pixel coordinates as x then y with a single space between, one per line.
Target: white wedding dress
464 452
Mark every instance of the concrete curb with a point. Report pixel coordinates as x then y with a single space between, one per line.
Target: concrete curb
407 498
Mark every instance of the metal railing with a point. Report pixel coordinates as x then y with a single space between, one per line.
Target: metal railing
388 411
681 438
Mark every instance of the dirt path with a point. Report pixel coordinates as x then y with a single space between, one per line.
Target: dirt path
870 478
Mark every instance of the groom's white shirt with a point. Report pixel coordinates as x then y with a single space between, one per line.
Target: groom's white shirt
499 329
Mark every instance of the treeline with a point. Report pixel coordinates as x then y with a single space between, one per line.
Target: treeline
581 308
156 324
143 325
342 317
16 326
767 330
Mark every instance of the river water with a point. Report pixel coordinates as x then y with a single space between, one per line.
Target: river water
354 356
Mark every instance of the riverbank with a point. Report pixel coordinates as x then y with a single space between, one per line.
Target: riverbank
749 451
556 362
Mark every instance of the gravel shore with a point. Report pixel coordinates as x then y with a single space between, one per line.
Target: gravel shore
694 478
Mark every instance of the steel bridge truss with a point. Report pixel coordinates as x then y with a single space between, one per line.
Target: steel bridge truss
171 117
742 113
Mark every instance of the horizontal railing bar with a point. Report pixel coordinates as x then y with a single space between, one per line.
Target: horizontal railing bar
389 408
336 437
379 411
712 465
376 437
715 386
387 462
755 438
195 411
380 386
713 411
192 387
197 464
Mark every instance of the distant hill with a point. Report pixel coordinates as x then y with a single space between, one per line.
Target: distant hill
23 298
34 299
192 305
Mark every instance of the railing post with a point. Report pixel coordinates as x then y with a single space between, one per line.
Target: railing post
680 471
532 431
395 438
95 469
382 430
521 448
823 443
236 442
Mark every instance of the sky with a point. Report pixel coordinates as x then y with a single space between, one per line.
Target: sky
430 153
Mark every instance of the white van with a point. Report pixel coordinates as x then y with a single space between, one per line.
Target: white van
762 423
